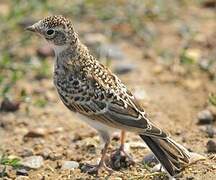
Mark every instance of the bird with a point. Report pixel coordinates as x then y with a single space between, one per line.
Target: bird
98 97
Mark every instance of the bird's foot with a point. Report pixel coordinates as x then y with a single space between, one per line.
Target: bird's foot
94 169
120 159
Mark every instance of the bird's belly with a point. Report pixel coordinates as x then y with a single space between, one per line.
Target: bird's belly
96 124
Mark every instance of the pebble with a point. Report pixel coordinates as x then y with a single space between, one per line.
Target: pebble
190 178
211 131
8 105
205 117
55 156
204 64
194 157
150 159
22 178
158 69
46 153
22 172
34 133
26 153
157 168
211 146
2 170
137 145
124 68
69 165
33 162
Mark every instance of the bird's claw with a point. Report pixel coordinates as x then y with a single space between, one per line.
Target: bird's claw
94 169
120 158
90 169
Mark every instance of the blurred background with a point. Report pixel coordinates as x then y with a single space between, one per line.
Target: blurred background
164 50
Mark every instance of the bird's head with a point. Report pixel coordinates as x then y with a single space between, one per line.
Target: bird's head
57 30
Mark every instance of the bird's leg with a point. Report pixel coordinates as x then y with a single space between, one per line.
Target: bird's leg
93 169
122 140
120 158
121 149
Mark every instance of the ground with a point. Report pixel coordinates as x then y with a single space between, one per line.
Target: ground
160 60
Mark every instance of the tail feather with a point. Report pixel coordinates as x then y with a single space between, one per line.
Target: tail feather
171 155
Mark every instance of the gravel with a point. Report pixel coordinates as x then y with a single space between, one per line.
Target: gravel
22 172
33 162
205 117
69 165
211 146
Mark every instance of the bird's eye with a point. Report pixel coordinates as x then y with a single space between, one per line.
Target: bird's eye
50 32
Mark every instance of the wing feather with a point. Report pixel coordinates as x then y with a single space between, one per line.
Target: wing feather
117 107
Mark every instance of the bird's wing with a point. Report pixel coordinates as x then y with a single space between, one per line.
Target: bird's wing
111 103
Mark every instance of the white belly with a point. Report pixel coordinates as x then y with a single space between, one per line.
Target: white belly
96 125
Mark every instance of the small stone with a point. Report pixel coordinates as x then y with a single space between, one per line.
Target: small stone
2 171
194 157
22 178
118 178
124 68
211 131
55 156
35 133
157 168
211 146
22 172
150 159
137 145
205 117
77 137
158 69
116 136
190 178
46 153
205 64
10 172
69 165
9 105
194 54
33 162
26 153
45 51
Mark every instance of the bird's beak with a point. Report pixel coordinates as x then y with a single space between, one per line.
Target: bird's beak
31 28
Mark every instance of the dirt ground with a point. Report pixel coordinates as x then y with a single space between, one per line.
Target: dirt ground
171 93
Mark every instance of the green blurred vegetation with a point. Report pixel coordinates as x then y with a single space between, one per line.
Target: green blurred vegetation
8 161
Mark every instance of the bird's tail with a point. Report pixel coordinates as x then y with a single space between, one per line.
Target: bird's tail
171 155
